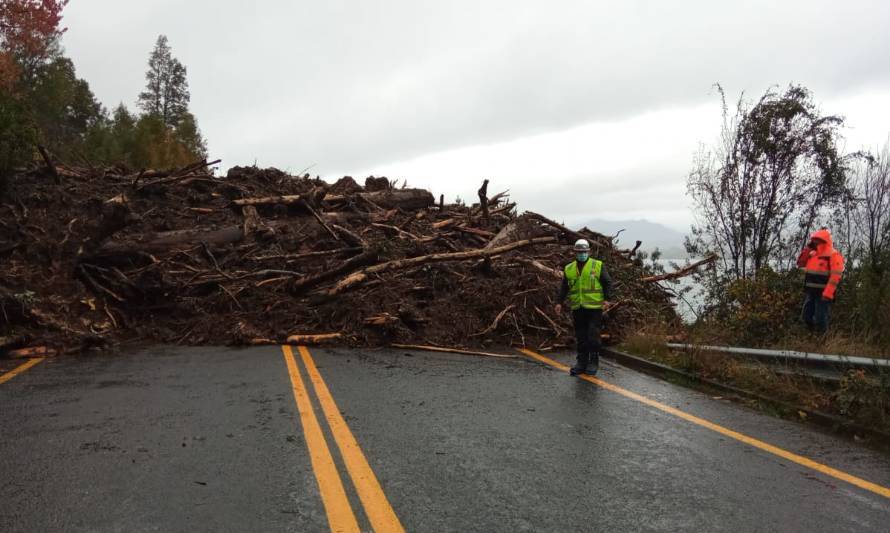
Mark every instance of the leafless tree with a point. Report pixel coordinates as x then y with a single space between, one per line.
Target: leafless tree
866 215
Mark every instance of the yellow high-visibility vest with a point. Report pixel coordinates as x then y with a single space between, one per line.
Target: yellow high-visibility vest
585 289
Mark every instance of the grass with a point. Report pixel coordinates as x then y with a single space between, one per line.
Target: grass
861 397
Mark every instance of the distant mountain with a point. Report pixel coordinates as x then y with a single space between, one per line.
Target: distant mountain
653 235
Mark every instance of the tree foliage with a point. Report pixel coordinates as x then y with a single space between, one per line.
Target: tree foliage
43 101
760 189
63 107
166 92
29 33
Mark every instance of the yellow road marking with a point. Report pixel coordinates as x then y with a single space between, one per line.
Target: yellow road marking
775 450
19 369
333 496
380 512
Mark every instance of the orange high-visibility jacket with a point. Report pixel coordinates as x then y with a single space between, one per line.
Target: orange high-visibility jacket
823 266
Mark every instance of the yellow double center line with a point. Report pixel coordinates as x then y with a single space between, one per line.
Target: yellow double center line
769 448
341 517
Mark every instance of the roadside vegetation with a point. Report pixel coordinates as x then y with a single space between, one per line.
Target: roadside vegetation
47 111
775 174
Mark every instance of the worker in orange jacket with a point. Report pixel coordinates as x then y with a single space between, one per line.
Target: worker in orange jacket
823 267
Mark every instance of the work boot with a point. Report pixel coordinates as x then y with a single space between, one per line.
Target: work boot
594 364
581 365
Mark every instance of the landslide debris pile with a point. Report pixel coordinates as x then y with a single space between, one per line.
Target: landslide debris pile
90 256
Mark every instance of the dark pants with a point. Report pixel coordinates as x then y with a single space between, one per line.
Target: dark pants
816 312
588 323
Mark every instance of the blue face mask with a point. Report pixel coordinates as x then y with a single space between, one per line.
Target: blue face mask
582 256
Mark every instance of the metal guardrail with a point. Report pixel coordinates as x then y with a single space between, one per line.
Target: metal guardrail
849 360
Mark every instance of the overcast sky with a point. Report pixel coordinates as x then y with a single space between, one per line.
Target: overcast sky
582 109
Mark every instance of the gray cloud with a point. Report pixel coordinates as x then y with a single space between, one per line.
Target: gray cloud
349 85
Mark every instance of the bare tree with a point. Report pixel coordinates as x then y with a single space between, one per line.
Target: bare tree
758 191
868 212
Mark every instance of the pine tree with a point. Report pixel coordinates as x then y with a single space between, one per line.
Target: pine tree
166 93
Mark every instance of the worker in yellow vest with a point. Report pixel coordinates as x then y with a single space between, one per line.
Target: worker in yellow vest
588 286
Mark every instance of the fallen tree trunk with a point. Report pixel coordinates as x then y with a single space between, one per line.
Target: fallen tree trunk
569 232
407 199
362 275
313 338
168 240
349 265
685 271
171 240
269 200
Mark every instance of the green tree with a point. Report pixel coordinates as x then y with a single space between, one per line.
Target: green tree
189 135
166 92
63 107
17 136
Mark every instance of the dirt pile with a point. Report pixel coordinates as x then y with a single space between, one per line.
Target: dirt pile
90 256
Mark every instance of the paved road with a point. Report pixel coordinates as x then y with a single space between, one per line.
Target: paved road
213 439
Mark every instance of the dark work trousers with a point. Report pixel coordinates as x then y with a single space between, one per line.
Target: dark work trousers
588 323
816 312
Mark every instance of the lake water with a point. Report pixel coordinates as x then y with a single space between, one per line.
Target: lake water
687 304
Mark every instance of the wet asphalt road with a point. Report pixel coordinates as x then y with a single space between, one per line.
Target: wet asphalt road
210 439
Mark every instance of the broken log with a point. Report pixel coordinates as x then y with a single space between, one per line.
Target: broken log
407 199
320 220
633 250
34 351
444 223
169 240
556 329
475 231
552 272
349 265
517 229
569 232
269 200
316 338
397 264
483 200
494 324
381 320
685 271
49 163
178 239
350 237
252 221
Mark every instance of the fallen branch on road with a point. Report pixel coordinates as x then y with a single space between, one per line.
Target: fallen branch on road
451 350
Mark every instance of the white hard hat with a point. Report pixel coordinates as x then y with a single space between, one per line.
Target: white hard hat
581 245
